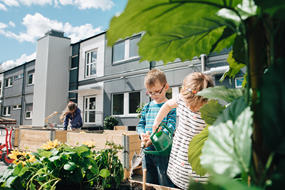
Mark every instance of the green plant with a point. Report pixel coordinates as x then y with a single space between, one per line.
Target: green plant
110 122
66 167
139 109
254 29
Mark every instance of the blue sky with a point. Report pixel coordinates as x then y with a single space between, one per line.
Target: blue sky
22 22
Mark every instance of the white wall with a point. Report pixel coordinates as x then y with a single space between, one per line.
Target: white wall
98 43
92 90
51 78
2 84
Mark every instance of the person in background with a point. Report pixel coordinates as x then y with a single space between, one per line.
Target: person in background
156 166
188 104
73 114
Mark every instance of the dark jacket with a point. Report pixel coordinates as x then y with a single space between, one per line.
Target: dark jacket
75 119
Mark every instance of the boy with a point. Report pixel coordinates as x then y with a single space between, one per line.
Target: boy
156 86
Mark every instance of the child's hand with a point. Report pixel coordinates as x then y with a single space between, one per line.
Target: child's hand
148 143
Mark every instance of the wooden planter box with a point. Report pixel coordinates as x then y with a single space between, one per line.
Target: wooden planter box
31 139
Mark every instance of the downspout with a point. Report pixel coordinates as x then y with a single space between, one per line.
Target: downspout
23 94
203 62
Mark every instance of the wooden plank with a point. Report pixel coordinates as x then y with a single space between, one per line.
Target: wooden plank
121 128
16 138
150 185
61 136
33 139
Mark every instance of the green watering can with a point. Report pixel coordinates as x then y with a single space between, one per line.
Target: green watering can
161 141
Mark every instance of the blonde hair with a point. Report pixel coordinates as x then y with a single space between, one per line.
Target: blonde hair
192 84
153 76
71 106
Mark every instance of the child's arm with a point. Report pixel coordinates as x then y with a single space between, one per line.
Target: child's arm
142 123
164 110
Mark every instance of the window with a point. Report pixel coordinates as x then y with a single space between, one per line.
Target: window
90 109
90 63
17 107
0 87
118 104
9 82
29 111
31 77
134 47
134 101
7 111
125 103
119 51
126 49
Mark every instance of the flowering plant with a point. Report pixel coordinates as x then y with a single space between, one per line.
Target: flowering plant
60 166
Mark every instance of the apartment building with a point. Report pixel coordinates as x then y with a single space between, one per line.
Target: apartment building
17 93
102 80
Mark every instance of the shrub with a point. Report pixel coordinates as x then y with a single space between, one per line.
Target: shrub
110 122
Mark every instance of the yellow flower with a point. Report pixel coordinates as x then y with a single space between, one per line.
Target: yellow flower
21 157
90 144
51 144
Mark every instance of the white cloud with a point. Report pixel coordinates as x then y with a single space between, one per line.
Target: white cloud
35 2
3 7
66 2
81 4
3 26
88 4
12 24
11 3
14 63
37 25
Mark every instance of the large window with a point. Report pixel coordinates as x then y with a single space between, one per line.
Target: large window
31 77
90 63
29 111
9 82
125 103
125 50
89 109
7 111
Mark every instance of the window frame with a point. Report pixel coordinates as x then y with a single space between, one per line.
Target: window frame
33 78
88 110
28 111
6 112
10 82
17 107
88 57
126 111
126 50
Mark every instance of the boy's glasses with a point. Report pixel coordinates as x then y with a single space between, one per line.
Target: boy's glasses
155 93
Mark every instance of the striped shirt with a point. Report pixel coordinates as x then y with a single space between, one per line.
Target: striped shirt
190 124
148 114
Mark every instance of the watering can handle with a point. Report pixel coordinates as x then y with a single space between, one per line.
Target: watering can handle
165 126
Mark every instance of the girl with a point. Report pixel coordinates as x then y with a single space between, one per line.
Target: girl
72 113
190 123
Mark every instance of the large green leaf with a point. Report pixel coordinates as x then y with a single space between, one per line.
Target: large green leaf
272 108
228 148
221 93
211 111
192 27
195 151
232 112
104 173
